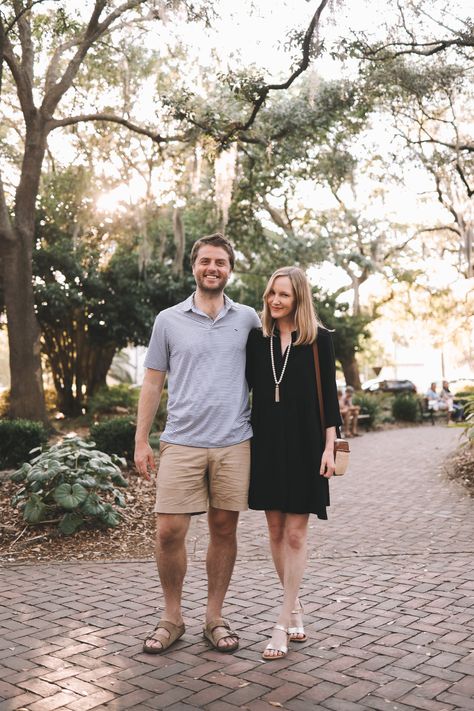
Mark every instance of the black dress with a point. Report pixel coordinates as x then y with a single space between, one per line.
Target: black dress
287 442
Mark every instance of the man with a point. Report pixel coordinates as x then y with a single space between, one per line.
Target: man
434 401
205 447
456 411
349 412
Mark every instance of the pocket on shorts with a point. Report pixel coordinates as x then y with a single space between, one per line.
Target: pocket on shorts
163 446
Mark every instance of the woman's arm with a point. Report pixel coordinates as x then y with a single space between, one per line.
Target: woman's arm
327 364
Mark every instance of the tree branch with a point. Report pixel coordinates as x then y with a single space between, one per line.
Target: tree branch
24 31
93 31
460 172
425 49
23 84
263 92
155 137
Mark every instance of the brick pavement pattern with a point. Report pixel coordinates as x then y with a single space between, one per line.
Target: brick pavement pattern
388 597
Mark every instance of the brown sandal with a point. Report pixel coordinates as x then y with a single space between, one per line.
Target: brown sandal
214 637
175 632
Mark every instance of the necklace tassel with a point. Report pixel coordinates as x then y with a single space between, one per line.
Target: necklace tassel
277 393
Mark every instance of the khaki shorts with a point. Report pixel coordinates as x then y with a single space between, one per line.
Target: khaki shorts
190 479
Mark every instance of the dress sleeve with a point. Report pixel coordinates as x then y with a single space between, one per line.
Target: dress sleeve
327 362
250 357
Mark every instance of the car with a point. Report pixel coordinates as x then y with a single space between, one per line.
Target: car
382 385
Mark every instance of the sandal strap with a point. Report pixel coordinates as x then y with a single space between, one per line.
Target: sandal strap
166 625
295 630
224 633
170 627
283 649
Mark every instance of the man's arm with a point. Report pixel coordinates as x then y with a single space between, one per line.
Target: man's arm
147 406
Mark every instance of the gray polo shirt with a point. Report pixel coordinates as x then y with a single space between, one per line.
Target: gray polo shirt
208 402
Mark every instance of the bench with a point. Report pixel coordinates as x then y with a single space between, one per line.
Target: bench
363 418
429 413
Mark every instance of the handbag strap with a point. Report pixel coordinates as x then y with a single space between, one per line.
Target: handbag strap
319 388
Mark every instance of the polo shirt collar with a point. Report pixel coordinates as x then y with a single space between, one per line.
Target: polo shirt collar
189 305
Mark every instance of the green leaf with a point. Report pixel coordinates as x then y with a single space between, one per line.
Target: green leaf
22 494
119 499
69 497
87 481
70 522
36 449
119 480
110 517
21 473
37 474
34 509
93 506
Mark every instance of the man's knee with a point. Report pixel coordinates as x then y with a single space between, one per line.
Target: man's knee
223 524
171 530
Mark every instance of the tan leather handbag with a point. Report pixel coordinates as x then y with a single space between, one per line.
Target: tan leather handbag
341 446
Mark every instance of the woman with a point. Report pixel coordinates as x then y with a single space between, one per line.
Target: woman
292 459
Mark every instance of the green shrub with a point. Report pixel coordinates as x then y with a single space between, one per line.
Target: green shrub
406 407
74 481
115 436
113 400
469 422
17 439
369 404
4 403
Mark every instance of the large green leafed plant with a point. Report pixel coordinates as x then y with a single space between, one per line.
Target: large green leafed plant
469 424
72 483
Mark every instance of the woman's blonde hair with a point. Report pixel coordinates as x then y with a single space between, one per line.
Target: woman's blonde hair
306 321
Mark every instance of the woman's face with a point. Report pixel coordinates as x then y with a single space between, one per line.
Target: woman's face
281 298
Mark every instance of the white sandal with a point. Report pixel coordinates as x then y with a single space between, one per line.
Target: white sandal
293 631
282 650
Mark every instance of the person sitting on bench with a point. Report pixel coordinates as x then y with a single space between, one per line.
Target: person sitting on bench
349 412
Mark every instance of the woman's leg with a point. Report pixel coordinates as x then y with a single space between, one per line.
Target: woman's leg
288 535
276 529
294 561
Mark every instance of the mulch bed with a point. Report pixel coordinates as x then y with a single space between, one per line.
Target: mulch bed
132 539
461 468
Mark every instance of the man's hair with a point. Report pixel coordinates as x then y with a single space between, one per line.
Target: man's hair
215 240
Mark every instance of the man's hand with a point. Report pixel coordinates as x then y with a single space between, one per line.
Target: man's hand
144 460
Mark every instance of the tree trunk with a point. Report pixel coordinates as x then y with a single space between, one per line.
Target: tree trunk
351 370
26 392
100 360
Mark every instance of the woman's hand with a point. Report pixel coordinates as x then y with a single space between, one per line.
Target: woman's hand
328 465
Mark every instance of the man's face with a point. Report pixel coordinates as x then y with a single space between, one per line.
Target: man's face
211 269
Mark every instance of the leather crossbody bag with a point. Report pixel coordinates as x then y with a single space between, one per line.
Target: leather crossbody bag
341 446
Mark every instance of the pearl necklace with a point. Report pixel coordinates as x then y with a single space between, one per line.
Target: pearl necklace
278 380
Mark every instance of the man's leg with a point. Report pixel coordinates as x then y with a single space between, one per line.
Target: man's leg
221 555
170 553
355 414
346 417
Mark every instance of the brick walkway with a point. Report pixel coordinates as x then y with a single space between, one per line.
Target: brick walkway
388 596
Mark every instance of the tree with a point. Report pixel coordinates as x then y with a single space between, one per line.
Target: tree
91 297
324 193
420 73
71 45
